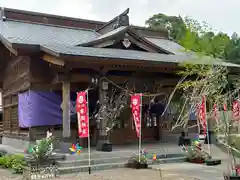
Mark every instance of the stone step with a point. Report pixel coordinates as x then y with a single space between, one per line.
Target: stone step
120 164
78 160
73 158
98 167
98 155
84 162
169 160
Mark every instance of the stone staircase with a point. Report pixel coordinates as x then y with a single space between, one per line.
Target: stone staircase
109 160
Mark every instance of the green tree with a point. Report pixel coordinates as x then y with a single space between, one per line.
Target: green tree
233 49
198 36
174 24
206 82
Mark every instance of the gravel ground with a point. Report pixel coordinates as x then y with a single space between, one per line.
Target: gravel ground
128 174
198 171
114 174
183 171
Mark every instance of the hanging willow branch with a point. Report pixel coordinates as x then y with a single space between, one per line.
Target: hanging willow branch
209 81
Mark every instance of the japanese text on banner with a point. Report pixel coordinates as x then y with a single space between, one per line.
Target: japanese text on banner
236 110
136 112
82 112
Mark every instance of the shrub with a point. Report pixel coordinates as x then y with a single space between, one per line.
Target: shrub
42 150
195 152
8 161
15 162
18 163
135 159
3 160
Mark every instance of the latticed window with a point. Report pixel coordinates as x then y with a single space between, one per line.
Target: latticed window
151 121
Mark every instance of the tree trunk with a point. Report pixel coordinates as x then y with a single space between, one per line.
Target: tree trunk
103 135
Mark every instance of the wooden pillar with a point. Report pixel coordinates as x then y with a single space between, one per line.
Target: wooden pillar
158 135
66 109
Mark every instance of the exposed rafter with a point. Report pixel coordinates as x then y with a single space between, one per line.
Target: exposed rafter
53 60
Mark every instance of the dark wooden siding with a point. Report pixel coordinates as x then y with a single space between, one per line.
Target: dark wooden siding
15 80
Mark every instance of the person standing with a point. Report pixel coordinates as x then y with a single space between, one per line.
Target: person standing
211 124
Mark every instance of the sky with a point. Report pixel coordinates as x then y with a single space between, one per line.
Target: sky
221 15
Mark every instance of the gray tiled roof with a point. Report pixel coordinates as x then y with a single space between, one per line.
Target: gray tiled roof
65 40
126 54
37 34
112 53
167 45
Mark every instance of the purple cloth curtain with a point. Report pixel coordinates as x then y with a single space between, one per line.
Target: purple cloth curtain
39 109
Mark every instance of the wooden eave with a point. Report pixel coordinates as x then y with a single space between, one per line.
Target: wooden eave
78 61
8 45
18 48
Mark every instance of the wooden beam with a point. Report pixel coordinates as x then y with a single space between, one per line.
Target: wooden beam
53 60
46 87
167 68
87 78
101 61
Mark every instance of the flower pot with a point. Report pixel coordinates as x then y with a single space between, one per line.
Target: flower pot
107 147
141 166
137 165
104 146
196 161
232 177
51 160
213 162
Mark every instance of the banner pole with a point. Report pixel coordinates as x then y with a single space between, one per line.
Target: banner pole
209 148
89 143
140 129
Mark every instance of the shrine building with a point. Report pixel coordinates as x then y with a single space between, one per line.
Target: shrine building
46 59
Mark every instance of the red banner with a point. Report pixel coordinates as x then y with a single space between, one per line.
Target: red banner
215 111
225 107
202 115
236 109
82 112
136 111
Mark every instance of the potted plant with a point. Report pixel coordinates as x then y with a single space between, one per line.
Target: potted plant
41 153
195 155
41 162
138 162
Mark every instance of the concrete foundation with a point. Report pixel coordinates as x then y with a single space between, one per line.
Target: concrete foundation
19 144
